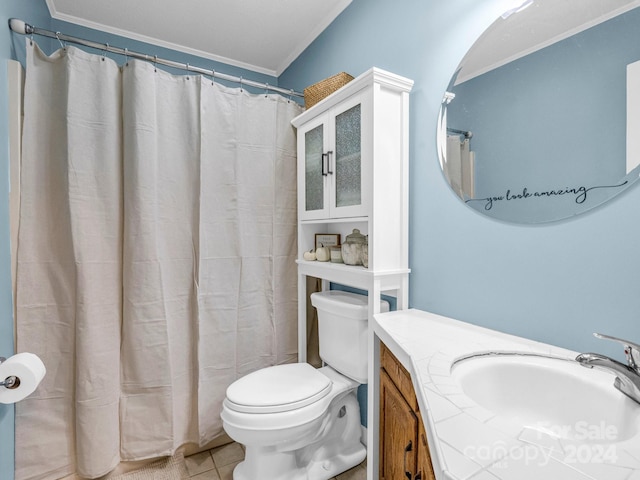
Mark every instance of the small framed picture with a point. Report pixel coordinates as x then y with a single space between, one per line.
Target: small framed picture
327 239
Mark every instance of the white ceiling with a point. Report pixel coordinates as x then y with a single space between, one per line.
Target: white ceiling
540 25
266 36
259 35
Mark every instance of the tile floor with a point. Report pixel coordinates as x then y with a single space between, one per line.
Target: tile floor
218 464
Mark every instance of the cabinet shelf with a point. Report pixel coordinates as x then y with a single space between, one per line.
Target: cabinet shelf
334 220
353 275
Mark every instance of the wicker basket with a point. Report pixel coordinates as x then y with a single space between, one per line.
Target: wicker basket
324 88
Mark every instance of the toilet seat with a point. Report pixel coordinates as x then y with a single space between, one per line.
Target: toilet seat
285 428
281 388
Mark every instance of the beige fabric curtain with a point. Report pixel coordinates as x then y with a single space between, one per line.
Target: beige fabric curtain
156 257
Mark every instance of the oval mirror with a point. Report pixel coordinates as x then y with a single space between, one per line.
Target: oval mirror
541 120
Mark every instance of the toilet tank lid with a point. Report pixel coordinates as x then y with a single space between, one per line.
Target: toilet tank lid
278 389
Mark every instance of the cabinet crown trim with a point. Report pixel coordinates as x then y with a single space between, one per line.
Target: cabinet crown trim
371 76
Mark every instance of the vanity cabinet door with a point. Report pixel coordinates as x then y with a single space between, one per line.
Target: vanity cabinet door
404 448
425 467
398 433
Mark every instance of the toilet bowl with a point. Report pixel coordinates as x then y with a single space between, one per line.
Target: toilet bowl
310 438
301 423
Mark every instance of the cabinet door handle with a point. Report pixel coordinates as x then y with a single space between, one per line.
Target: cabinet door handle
329 154
407 449
325 157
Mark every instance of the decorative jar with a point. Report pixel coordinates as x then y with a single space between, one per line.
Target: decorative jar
352 248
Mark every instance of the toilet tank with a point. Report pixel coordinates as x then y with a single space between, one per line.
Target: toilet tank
343 323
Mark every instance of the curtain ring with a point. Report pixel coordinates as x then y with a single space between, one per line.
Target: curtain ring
266 90
241 83
187 71
213 77
126 57
104 51
64 47
155 61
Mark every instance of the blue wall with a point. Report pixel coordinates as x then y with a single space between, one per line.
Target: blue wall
555 283
551 120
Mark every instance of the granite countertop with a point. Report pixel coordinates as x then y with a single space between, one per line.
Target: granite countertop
468 442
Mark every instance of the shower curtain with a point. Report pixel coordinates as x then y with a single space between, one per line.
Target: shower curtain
156 257
459 166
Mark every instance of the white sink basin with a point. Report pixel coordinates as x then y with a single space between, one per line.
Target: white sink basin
554 396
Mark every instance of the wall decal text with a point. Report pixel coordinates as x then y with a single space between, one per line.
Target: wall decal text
579 192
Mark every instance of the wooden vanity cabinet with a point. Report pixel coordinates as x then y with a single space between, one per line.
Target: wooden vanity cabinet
404 451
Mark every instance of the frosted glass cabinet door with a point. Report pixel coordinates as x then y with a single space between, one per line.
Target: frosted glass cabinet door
350 156
313 179
314 175
348 176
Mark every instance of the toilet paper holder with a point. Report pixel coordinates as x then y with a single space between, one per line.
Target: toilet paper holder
11 381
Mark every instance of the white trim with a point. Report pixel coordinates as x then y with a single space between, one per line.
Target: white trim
161 43
322 24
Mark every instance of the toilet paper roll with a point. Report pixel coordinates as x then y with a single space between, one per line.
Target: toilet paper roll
30 371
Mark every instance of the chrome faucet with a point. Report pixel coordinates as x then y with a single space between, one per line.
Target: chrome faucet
628 376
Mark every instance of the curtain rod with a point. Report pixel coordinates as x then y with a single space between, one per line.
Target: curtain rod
460 132
21 27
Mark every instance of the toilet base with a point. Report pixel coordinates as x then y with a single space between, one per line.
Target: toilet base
337 465
336 449
283 465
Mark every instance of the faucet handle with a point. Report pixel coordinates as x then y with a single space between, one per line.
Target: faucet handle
629 348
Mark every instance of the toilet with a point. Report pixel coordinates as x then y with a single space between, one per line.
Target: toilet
301 423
